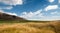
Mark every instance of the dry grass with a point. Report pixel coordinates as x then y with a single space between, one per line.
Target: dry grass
29 28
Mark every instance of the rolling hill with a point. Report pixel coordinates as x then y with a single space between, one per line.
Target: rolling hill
4 16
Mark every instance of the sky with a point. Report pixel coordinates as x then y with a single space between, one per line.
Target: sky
32 9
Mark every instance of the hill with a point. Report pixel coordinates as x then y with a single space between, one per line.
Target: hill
7 17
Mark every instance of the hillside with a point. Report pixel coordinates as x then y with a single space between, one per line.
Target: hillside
6 17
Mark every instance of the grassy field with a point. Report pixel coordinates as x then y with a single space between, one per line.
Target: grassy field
30 27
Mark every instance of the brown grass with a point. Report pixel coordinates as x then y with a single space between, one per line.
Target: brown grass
51 27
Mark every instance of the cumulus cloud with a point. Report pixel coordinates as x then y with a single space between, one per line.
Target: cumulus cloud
51 7
51 1
32 15
1 11
38 15
12 2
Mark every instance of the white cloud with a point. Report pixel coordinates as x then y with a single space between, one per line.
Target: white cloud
55 13
59 1
51 7
32 15
38 15
54 18
11 13
50 18
51 1
7 7
1 11
12 2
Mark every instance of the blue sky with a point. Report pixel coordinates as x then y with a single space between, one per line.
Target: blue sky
32 9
